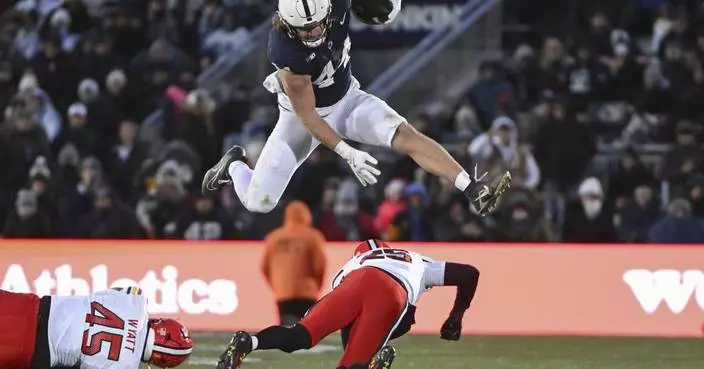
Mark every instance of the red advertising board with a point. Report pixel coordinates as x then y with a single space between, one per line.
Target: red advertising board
523 289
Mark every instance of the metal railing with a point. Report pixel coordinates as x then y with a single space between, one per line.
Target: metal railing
407 68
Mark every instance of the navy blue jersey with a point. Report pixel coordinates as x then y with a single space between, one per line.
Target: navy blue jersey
328 64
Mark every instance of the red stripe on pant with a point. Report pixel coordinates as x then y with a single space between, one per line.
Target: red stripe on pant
18 329
368 299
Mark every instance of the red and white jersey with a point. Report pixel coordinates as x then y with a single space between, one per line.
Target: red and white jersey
105 330
416 272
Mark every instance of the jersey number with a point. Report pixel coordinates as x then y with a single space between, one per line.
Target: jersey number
327 76
393 254
93 344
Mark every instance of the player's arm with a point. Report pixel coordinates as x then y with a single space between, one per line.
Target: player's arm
465 278
299 89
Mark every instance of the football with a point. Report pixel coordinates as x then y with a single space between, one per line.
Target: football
375 12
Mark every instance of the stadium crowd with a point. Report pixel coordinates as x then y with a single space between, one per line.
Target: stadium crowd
78 78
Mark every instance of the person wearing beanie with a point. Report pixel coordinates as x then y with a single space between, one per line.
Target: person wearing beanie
343 219
26 221
393 204
499 150
589 220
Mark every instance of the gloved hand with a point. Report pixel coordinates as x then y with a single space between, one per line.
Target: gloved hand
452 328
362 164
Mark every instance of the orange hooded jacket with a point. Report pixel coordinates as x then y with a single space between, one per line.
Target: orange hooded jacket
294 260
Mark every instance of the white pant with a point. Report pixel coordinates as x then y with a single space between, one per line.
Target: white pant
358 116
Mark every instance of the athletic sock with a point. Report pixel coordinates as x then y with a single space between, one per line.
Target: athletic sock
462 181
255 342
282 338
241 175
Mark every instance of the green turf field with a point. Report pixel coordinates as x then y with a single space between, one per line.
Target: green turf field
482 352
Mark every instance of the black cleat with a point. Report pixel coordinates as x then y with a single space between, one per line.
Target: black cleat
239 347
384 358
218 175
485 198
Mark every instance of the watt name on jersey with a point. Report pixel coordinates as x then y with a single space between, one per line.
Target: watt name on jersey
105 330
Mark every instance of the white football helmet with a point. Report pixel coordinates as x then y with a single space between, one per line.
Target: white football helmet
305 16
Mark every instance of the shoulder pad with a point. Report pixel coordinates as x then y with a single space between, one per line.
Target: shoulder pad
285 53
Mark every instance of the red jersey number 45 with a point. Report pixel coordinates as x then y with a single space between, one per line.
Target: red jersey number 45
393 254
104 317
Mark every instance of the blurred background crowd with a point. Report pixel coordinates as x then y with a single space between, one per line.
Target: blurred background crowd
79 77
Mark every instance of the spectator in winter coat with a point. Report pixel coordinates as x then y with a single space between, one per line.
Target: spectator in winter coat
520 221
414 223
294 263
458 224
486 93
344 220
45 114
204 220
45 190
77 133
638 215
21 142
125 160
678 226
80 198
158 209
631 173
109 218
589 219
392 205
25 221
563 147
686 158
499 150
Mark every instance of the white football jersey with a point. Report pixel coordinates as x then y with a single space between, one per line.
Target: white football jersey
418 273
105 330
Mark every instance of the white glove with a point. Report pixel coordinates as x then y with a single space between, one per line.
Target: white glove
361 163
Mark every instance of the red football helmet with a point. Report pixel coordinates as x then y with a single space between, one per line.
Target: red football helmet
370 244
168 343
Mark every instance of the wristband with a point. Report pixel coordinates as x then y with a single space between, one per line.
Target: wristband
343 149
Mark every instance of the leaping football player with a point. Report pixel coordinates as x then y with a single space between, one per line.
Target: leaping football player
321 102
108 329
372 300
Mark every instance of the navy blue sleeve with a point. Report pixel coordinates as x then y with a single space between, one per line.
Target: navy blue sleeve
285 53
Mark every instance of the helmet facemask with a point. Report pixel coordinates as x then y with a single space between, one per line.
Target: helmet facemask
300 33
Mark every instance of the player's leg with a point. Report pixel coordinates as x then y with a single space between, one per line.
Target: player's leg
374 122
292 310
384 303
19 315
261 188
335 310
384 358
